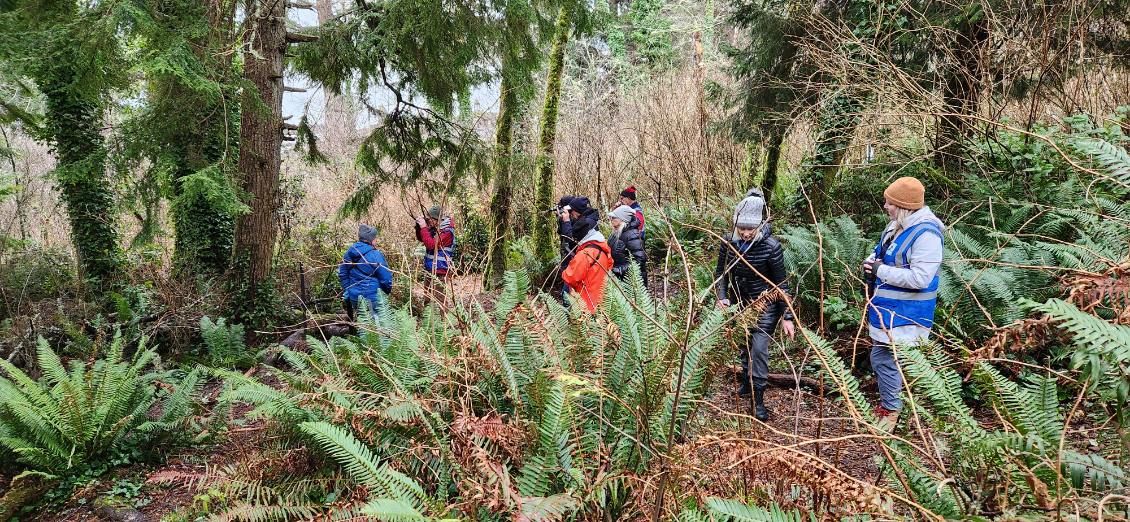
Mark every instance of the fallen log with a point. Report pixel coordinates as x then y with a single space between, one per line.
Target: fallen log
786 380
318 328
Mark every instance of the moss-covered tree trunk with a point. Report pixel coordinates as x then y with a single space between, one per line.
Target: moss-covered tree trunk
503 189
260 140
74 128
837 121
545 230
772 159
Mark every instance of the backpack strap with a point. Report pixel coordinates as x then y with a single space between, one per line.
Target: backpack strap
595 246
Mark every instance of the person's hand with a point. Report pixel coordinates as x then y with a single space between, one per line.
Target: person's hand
420 221
871 266
789 328
723 303
565 215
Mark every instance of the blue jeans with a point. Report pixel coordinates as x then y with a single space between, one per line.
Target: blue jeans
887 373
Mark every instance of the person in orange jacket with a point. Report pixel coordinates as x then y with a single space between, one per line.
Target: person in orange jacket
588 270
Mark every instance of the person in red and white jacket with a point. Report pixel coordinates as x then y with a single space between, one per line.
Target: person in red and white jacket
438 236
628 197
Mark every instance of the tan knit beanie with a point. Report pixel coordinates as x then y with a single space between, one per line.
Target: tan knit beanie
906 192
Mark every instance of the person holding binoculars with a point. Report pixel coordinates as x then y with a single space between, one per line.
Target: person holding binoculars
902 279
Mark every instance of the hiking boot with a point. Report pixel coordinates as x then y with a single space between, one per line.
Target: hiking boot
743 388
887 419
760 412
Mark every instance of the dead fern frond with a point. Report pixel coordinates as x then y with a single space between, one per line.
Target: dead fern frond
1109 292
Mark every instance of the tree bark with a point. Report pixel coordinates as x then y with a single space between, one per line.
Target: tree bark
259 156
961 92
545 224
772 158
500 203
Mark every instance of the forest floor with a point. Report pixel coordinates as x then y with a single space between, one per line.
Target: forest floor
802 421
167 492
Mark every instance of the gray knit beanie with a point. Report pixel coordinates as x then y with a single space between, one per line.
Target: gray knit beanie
750 212
366 233
623 213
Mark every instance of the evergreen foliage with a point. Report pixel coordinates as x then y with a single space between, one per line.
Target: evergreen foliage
538 372
188 129
418 52
79 414
38 41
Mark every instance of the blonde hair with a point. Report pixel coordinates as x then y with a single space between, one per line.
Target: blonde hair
901 215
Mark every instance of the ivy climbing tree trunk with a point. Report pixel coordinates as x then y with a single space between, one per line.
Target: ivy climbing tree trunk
259 157
500 202
191 119
74 127
545 225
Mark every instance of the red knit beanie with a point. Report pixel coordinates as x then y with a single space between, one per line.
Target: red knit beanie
906 192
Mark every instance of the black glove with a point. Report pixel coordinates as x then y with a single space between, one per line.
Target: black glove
871 270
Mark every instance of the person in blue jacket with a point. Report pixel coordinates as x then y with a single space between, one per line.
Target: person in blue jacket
363 271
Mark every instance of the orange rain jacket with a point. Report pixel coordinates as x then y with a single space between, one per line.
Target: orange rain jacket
588 271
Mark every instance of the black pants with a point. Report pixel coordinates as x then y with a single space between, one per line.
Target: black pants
755 355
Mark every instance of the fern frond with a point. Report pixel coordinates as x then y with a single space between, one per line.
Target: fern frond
1022 408
544 509
392 511
360 464
940 385
248 512
1109 157
731 510
1093 469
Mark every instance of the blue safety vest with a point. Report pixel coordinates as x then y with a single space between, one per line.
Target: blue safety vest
439 259
893 306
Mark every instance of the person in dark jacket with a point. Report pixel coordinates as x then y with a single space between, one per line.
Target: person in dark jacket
751 262
575 221
578 220
363 271
626 243
564 227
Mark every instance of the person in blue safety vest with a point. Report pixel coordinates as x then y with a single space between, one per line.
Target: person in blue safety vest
363 271
902 275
